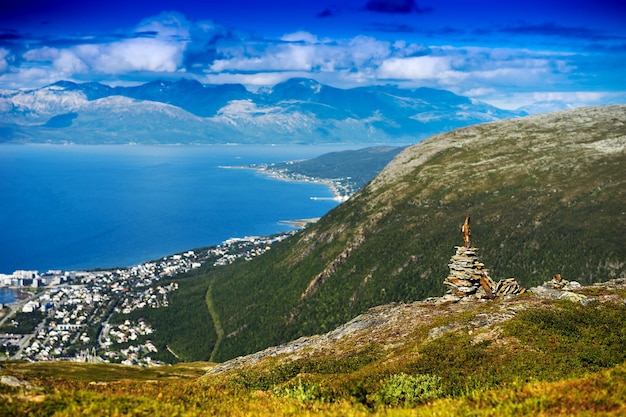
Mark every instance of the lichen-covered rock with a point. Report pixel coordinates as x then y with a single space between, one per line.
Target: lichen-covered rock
560 289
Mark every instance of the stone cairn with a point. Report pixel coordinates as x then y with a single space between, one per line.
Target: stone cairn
469 279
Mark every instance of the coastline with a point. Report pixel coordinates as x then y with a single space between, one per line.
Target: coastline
299 223
277 175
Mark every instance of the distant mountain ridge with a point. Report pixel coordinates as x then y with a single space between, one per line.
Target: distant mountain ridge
190 95
186 111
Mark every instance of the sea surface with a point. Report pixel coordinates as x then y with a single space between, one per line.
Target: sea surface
8 295
82 207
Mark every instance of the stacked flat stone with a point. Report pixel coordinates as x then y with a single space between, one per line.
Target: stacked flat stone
468 275
470 279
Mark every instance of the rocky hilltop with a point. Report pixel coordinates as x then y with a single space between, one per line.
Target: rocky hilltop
474 305
393 327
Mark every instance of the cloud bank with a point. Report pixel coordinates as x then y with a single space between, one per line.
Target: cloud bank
169 45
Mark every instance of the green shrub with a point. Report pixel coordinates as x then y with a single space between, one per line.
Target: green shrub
302 392
406 390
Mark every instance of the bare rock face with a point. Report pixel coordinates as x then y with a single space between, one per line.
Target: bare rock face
469 279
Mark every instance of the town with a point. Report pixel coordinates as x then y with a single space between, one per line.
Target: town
79 315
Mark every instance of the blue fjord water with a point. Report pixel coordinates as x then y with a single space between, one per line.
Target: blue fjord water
81 207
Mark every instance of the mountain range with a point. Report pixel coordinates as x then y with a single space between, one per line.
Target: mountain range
185 111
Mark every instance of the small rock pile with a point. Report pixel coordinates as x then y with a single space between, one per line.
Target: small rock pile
470 279
560 289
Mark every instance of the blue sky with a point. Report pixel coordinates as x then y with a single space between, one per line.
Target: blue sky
505 53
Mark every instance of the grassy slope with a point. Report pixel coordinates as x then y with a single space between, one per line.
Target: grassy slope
545 194
522 356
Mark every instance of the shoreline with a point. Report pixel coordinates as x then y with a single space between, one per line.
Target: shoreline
264 170
299 223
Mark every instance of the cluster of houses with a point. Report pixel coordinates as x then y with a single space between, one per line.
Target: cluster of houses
152 297
136 350
72 312
245 247
69 312
342 187
76 306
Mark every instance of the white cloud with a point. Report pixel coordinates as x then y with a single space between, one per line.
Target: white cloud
462 69
140 54
300 36
479 92
364 50
570 96
275 57
287 57
508 75
515 100
207 27
68 63
29 77
45 54
161 51
414 68
254 80
64 62
304 53
362 60
475 71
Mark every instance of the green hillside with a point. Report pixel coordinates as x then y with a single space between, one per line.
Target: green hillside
546 195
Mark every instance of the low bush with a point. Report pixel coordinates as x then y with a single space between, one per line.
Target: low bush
409 390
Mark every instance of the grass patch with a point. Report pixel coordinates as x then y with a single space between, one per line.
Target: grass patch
409 390
572 339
